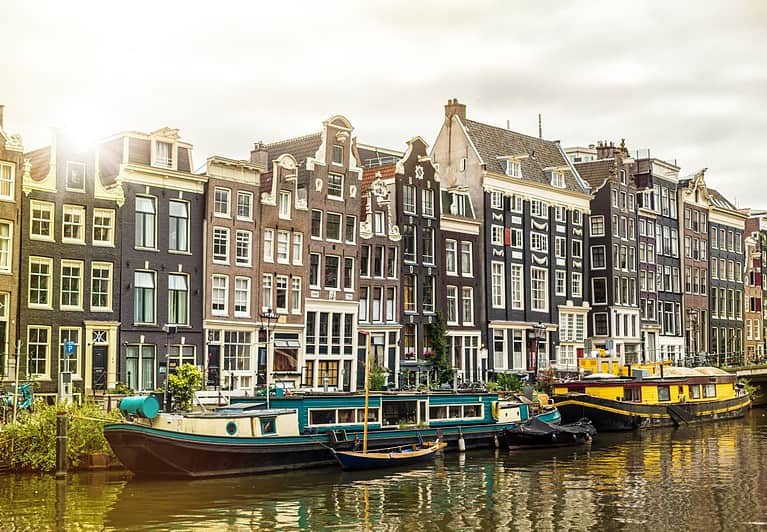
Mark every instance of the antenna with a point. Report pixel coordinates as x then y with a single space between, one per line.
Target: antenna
508 124
540 127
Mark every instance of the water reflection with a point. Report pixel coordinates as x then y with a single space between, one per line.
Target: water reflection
708 477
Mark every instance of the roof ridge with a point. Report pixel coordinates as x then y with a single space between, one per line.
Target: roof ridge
511 131
294 139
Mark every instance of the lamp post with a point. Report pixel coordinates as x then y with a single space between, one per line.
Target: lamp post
169 331
268 319
539 332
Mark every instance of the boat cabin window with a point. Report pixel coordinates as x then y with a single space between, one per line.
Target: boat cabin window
709 390
399 412
664 394
268 425
341 416
632 394
694 391
455 412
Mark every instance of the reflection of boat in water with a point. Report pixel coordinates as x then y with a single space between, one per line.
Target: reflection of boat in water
678 396
297 430
535 433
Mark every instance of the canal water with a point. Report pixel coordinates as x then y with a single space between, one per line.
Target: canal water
709 477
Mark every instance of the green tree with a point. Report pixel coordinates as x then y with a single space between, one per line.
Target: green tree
377 378
182 384
438 336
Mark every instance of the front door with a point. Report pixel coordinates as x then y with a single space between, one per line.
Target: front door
99 367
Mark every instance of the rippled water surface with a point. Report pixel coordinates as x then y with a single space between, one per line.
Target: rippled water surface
710 477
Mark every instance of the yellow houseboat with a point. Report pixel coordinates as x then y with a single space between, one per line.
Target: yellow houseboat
673 397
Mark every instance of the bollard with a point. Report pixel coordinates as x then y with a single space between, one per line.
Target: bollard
61 445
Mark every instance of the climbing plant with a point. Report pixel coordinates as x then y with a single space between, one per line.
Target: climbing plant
438 336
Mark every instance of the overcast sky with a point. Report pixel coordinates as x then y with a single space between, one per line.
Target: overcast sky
686 80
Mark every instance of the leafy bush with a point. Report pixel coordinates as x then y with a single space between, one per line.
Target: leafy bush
377 378
508 383
30 443
182 384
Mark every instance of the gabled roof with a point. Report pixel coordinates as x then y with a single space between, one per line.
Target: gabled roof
369 175
301 148
493 142
595 173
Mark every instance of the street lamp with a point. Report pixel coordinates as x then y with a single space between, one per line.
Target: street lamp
269 319
539 333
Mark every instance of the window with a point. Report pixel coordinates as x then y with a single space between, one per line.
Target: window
515 238
560 247
539 242
75 176
378 261
163 155
577 284
560 286
515 204
458 204
219 295
516 286
577 249
467 267
496 200
557 179
178 299
298 248
348 273
101 286
268 245
38 345
284 212
428 203
497 283
335 186
41 225
333 228
145 222
577 217
391 263
144 297
539 208
69 362
467 298
600 324
331 272
181 354
316 224
451 261
539 289
351 229
220 244
452 304
560 213
295 295
597 225
428 293
244 205
242 248
599 290
281 302
428 245
363 303
7 181
314 270
6 249
664 393
598 259
496 235
283 247
178 226
221 202
391 302
40 281
71 284
267 296
377 303
408 199
73 224
242 297
408 293
139 366
103 227
513 168
379 225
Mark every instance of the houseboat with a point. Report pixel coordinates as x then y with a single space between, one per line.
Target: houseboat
673 397
299 431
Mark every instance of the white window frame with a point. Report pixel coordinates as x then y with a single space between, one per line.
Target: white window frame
284 205
298 249
70 210
70 165
544 287
283 247
517 286
214 300
217 256
249 196
467 258
104 214
268 252
247 259
9 182
71 264
451 247
110 268
596 218
42 206
228 212
247 291
49 286
6 250
334 196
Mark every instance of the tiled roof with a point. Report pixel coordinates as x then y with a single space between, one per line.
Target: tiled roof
299 147
493 142
595 172
717 200
368 176
40 160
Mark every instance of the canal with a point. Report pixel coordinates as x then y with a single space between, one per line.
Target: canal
710 477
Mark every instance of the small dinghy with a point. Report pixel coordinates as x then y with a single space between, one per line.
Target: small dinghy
388 457
537 433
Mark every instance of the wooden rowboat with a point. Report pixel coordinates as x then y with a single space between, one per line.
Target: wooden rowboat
388 457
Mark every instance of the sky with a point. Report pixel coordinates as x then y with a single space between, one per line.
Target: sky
685 79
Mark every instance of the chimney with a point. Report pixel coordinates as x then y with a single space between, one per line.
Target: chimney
2 109
455 108
259 156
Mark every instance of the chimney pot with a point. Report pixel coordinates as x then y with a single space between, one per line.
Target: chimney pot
259 155
455 108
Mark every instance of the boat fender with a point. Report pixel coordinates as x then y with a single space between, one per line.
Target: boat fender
496 410
461 443
143 406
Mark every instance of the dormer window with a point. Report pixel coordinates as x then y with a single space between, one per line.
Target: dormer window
75 176
164 154
513 168
458 205
558 179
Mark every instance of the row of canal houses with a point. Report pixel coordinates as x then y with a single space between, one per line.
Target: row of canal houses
121 260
